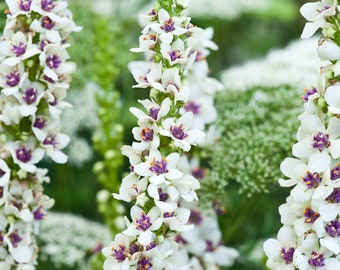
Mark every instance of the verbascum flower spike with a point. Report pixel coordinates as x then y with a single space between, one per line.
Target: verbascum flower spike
309 237
168 127
34 78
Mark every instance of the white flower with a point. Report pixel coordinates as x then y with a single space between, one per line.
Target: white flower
19 7
131 187
11 78
171 83
143 224
181 132
18 48
53 59
158 168
281 251
147 135
328 50
316 14
145 73
155 111
177 53
53 143
317 142
25 155
177 219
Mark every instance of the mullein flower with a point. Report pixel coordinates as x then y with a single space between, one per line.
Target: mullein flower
34 78
310 216
161 192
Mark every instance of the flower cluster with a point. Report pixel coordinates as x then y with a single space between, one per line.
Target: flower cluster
34 78
169 125
309 237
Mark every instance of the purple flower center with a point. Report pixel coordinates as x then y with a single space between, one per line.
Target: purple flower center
25 5
134 248
321 141
147 134
163 196
174 55
334 197
180 240
48 79
310 215
158 166
1 237
13 78
168 25
193 107
333 228
178 132
47 23
51 140
30 96
143 223
14 238
144 264
312 180
151 246
19 49
54 102
309 92
47 5
2 173
287 254
119 253
198 173
195 217
39 213
153 112
23 154
152 13
168 214
316 260
209 246
53 61
40 122
335 173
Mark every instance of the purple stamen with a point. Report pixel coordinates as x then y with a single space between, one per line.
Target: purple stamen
193 107
144 264
333 228
134 248
147 134
1 192
163 196
316 260
14 238
47 5
334 197
195 217
53 61
312 180
174 55
180 240
23 154
168 214
30 96
198 173
321 141
39 213
153 112
287 254
2 173
47 23
13 78
309 92
209 246
40 122
178 132
119 253
143 223
168 26
335 173
151 246
158 166
310 215
25 5
19 49
51 140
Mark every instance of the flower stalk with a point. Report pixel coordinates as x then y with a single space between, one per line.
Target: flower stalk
34 78
308 238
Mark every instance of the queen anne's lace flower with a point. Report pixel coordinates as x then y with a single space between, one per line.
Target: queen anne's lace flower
309 238
34 78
